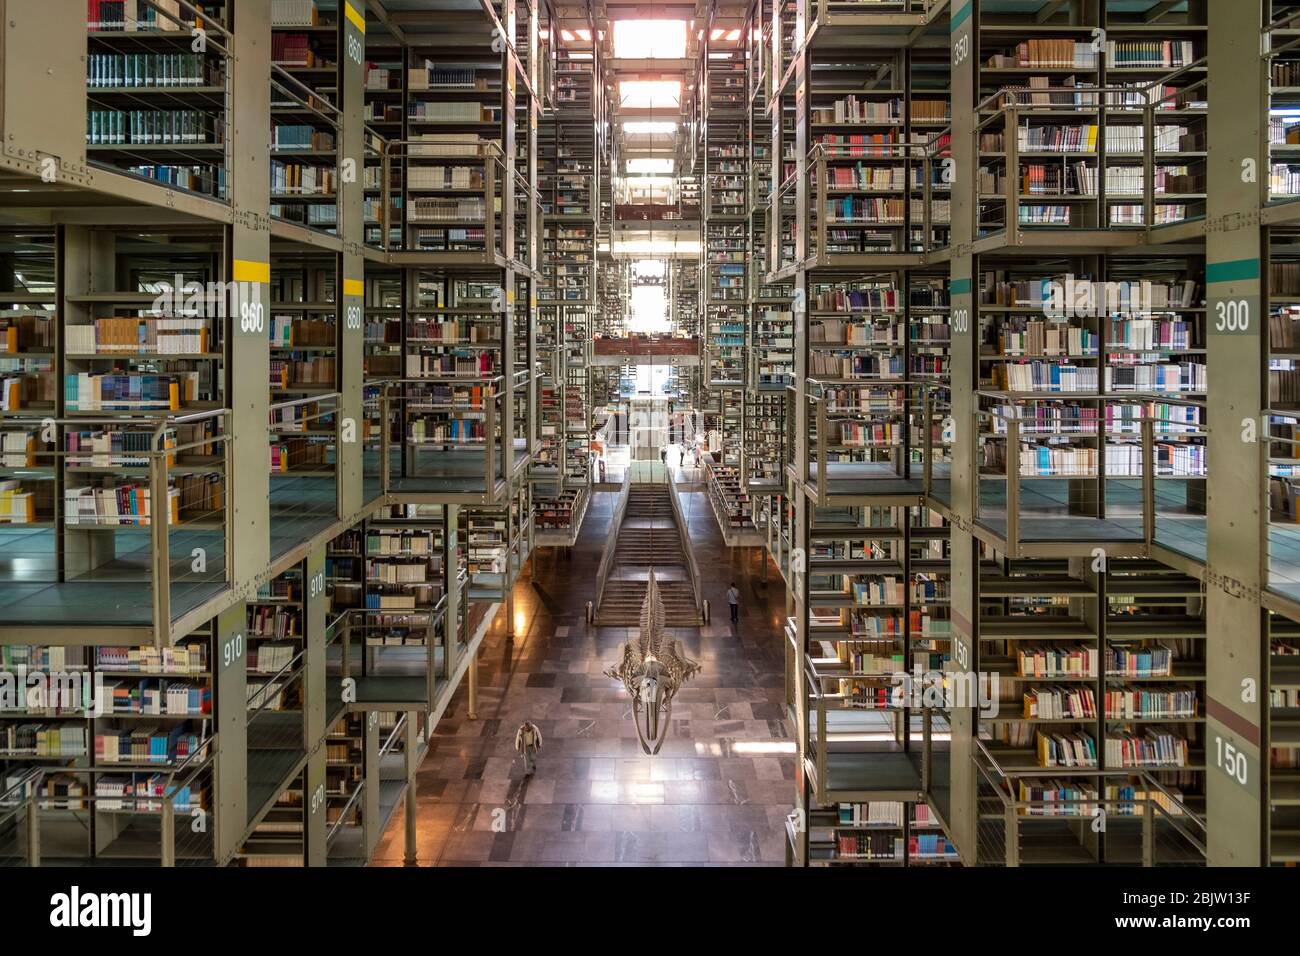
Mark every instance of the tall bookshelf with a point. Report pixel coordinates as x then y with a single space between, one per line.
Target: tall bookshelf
156 108
305 81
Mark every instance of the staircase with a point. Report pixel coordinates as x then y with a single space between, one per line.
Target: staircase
648 538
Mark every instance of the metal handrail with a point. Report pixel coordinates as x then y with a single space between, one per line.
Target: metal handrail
1181 817
337 825
486 151
679 519
1006 104
158 458
611 537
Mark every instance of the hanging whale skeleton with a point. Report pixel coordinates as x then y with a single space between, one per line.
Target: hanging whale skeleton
653 670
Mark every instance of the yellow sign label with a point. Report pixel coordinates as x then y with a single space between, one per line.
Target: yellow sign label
246 270
358 19
354 287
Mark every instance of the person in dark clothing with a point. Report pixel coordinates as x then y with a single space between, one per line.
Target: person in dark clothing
733 599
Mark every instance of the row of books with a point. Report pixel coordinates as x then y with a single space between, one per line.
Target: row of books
22 331
1081 295
43 740
858 209
444 177
279 622
152 128
1047 54
158 697
298 454
178 659
851 109
138 334
138 70
301 136
302 179
294 330
316 371
479 365
1041 338
145 745
117 16
143 794
440 112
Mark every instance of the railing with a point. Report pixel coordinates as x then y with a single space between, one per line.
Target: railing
915 159
476 205
442 414
20 802
1170 831
683 534
362 648
1023 487
303 436
611 538
916 404
1281 99
1001 115
147 476
175 791
1281 498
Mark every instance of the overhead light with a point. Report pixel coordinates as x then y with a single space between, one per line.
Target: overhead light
733 36
544 33
567 36
580 55
717 33
584 35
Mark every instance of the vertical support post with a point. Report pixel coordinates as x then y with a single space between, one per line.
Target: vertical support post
1236 512
1013 488
410 754
385 441
450 569
349 448
250 269
160 553
1148 833
33 831
1148 480
314 706
370 822
472 685
167 832
230 710
962 810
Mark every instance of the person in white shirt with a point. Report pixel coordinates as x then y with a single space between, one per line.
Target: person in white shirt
733 598
528 740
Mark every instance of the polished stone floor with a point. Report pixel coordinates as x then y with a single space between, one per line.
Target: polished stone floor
717 793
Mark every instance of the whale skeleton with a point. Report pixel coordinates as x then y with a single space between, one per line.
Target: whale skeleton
653 669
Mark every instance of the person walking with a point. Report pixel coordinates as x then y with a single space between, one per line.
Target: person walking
681 456
663 455
733 599
528 741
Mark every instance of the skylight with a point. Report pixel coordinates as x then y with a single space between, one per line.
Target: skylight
650 39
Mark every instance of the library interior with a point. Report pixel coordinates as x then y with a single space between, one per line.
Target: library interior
698 432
